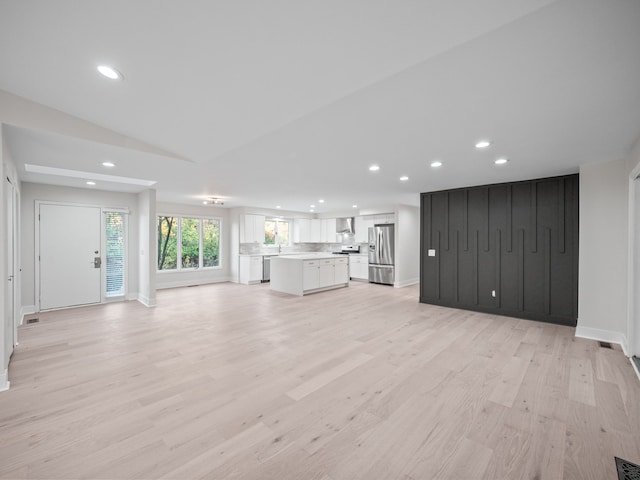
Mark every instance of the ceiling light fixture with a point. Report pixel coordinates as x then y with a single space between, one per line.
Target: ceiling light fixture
404 178
354 206
321 201
436 164
278 206
108 164
374 168
89 182
214 201
483 144
501 161
110 72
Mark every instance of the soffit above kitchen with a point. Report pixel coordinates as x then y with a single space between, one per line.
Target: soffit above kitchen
274 103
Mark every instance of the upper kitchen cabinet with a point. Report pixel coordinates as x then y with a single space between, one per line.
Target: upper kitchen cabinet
314 230
365 222
301 230
252 228
328 230
384 218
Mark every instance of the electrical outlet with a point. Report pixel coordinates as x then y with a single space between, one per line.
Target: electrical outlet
493 293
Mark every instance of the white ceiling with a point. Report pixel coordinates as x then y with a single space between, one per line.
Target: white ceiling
285 102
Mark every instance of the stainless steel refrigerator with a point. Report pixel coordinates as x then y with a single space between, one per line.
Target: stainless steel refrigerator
382 254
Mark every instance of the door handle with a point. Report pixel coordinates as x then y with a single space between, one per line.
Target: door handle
97 262
10 279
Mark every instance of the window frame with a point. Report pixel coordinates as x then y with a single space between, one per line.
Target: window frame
178 219
276 220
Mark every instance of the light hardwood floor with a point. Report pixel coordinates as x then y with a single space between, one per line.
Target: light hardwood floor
234 381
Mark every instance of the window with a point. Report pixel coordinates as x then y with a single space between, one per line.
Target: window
115 253
188 242
276 232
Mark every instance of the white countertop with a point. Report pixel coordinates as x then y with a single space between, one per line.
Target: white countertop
308 256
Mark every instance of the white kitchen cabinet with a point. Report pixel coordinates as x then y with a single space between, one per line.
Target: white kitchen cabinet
341 271
328 230
316 230
302 230
359 267
384 218
252 228
362 228
327 268
250 269
310 275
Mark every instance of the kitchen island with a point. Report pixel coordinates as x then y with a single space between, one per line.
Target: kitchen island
309 273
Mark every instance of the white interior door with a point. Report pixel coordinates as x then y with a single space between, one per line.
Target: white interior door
69 245
9 307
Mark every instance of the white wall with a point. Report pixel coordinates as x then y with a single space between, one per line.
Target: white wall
147 248
603 261
30 192
407 234
199 277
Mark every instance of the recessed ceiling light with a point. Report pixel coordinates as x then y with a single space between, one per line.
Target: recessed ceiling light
404 178
204 202
436 164
108 164
374 168
312 206
89 182
501 161
109 72
354 206
312 210
278 206
321 201
483 144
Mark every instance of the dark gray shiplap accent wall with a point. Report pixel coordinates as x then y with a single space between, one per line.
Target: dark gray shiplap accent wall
519 239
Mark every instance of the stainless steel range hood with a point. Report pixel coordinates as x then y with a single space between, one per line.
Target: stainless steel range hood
345 225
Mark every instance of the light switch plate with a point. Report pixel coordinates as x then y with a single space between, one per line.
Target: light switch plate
432 252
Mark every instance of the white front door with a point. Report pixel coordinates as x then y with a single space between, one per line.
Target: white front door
69 247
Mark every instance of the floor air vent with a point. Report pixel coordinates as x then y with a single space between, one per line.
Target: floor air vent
33 320
627 470
605 345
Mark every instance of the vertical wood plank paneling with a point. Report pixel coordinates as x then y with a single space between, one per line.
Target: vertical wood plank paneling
446 221
509 227
533 209
438 255
520 239
561 219
547 270
487 232
476 261
465 221
498 243
520 248
429 221
456 266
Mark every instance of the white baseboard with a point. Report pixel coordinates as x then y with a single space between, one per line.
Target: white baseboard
26 310
603 336
4 381
191 283
406 283
146 301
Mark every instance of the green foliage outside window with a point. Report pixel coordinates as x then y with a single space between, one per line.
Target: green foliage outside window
167 243
196 243
276 232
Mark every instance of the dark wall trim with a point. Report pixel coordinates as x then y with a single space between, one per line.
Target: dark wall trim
508 249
